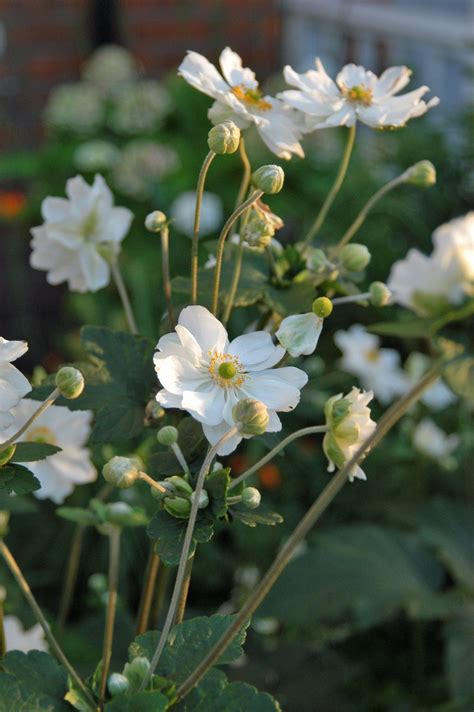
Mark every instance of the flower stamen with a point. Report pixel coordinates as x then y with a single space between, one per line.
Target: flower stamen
41 434
252 97
226 370
359 94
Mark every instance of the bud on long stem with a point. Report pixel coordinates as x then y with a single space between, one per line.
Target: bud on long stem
122 290
197 217
44 406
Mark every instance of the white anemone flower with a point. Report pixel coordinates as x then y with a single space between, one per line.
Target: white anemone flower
13 385
433 442
299 333
18 638
77 232
182 212
446 276
378 369
58 473
356 95
204 373
238 97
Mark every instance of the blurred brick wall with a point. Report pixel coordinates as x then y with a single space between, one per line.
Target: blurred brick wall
47 40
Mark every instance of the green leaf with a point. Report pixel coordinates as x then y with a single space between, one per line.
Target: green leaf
252 518
215 694
376 573
294 299
17 479
78 515
459 654
188 644
414 328
151 701
168 533
31 452
35 680
216 486
449 528
211 686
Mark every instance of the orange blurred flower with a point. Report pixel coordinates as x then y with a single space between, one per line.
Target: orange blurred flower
269 476
239 463
12 203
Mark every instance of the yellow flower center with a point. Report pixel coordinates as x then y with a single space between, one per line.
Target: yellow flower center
41 434
359 94
226 370
372 355
251 97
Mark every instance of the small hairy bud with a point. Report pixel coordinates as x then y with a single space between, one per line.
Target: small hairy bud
422 174
203 499
322 307
121 472
70 382
178 484
168 435
224 138
269 178
251 498
117 684
155 221
7 454
355 257
178 507
258 232
251 416
380 294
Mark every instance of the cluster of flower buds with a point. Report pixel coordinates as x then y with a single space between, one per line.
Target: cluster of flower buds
261 226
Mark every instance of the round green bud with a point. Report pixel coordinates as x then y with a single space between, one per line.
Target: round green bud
251 416
380 294
7 454
203 499
317 260
269 179
251 498
178 484
121 472
322 307
167 436
97 583
178 507
117 684
224 138
118 513
355 257
155 221
70 382
422 174
227 370
137 669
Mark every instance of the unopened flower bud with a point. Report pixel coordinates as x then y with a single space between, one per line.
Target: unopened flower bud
203 499
224 138
178 484
355 257
167 436
251 416
322 307
251 498
7 454
117 684
258 232
317 260
269 178
178 507
380 294
118 513
70 382
121 472
422 174
97 583
137 669
155 221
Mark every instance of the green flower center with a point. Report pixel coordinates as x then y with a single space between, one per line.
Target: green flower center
359 94
227 370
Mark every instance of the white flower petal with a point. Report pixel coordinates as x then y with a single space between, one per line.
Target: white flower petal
206 329
13 386
95 269
11 350
256 350
206 406
234 73
177 375
272 389
214 433
168 400
299 333
202 75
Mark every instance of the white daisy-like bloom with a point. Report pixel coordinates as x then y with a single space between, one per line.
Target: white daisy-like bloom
61 472
204 373
182 213
77 107
109 67
13 385
378 369
349 422
238 97
17 638
356 95
433 442
76 232
447 275
299 333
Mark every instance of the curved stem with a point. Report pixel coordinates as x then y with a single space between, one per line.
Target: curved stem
351 298
312 515
221 244
146 598
114 562
188 537
197 218
336 186
55 647
244 184
281 445
165 265
235 282
49 401
122 290
71 577
178 453
181 607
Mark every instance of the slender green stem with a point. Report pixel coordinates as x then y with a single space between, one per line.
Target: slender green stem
336 186
281 445
146 598
235 281
161 588
197 218
44 406
360 219
123 294
70 579
54 645
178 453
305 525
3 642
181 607
153 483
246 174
351 298
114 563
188 537
165 265
221 244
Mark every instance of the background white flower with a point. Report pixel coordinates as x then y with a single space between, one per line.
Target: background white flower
182 212
109 67
17 638
205 374
68 244
141 166
139 107
438 396
357 94
96 155
239 98
59 473
429 439
299 333
13 384
420 282
76 107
